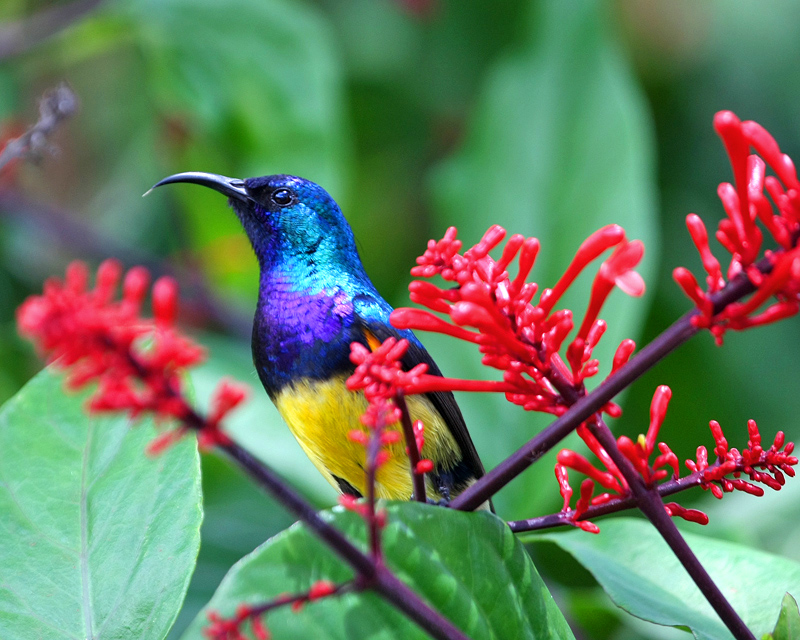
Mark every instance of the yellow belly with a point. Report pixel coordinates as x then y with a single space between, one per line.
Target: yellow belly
321 413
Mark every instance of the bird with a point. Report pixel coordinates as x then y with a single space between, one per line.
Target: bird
314 300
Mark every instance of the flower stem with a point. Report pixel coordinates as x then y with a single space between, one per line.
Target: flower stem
417 479
373 448
612 506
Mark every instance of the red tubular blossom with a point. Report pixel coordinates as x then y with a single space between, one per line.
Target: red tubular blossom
493 236
766 145
260 631
658 410
597 449
745 203
600 241
424 466
513 245
691 515
423 321
135 286
321 589
527 257
573 460
623 354
563 485
351 503
228 395
729 129
687 282
360 437
699 235
667 458
97 338
773 313
165 300
785 268
515 336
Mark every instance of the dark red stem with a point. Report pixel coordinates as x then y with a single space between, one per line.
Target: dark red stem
282 601
612 506
370 571
417 479
373 448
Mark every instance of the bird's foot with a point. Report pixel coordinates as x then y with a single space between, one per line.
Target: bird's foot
441 502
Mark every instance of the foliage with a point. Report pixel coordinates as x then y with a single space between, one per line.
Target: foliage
531 114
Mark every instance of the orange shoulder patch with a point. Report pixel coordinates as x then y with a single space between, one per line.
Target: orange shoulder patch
372 340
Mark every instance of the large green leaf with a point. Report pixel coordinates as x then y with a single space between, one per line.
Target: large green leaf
560 145
98 539
467 565
261 74
633 564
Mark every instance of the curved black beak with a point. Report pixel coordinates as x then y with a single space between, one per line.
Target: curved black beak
231 187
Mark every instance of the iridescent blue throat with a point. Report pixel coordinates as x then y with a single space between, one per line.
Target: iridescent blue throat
310 309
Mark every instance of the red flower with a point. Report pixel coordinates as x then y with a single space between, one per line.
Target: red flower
495 311
137 362
761 466
745 203
233 628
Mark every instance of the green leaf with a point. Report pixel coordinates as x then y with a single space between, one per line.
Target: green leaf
633 564
559 146
262 75
788 626
98 539
466 565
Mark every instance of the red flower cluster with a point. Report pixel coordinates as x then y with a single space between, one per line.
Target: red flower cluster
523 340
379 374
775 462
137 362
745 203
762 466
220 628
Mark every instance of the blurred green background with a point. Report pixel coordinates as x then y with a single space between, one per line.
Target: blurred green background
549 118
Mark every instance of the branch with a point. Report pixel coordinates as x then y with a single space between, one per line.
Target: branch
612 506
417 479
55 106
22 35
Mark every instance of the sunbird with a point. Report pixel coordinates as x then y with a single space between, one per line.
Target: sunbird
314 300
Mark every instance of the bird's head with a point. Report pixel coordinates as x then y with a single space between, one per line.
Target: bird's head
285 217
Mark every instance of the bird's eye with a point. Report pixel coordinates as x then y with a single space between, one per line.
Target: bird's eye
282 197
